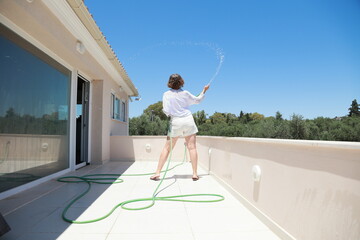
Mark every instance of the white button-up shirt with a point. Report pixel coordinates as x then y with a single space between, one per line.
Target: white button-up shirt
176 103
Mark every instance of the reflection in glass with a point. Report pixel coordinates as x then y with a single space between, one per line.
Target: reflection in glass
34 112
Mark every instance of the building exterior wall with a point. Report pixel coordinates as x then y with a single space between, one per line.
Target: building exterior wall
97 121
42 25
112 126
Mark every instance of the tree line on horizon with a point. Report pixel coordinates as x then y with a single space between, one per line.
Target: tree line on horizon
347 128
15 123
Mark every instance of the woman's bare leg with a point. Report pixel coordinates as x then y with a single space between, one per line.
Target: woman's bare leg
165 154
191 146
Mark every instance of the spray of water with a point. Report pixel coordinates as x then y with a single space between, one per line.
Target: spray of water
218 51
221 58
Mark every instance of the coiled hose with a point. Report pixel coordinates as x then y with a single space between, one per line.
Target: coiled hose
114 178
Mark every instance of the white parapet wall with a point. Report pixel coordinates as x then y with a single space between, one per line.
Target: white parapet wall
310 189
142 148
300 189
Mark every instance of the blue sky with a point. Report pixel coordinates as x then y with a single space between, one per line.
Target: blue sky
300 56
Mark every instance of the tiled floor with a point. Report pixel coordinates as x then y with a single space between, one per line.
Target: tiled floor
36 213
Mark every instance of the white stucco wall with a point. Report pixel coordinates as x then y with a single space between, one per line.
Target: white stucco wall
42 24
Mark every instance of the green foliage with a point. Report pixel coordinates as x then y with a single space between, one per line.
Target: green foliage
354 109
199 117
278 116
312 129
245 117
218 118
147 125
298 129
257 126
347 129
230 118
156 110
241 114
256 116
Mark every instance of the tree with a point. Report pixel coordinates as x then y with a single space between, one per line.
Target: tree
278 116
241 115
313 130
200 117
354 109
219 124
10 113
246 118
155 110
298 128
147 125
230 117
256 116
218 118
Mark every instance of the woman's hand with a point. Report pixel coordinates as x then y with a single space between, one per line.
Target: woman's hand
206 88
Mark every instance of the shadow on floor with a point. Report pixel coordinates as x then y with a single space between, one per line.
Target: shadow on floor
29 210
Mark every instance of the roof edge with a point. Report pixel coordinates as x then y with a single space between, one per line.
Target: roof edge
80 9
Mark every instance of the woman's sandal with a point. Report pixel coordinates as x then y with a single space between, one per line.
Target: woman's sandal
155 178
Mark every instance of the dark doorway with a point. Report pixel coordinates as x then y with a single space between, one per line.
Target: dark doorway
82 120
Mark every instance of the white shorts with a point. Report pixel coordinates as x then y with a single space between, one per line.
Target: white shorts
182 126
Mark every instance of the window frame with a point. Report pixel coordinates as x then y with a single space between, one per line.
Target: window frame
123 111
118 108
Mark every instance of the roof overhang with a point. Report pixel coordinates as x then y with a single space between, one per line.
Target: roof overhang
75 16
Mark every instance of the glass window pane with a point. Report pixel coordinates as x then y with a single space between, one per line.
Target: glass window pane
116 108
123 108
34 112
112 106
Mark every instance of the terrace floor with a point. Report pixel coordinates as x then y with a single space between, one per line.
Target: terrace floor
36 213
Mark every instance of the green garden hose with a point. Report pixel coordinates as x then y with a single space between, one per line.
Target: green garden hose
113 179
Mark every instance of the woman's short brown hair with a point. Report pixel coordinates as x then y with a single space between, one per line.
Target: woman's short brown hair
175 81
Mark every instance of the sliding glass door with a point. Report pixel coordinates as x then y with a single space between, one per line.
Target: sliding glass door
34 112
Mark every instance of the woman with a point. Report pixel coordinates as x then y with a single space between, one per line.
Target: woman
176 104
